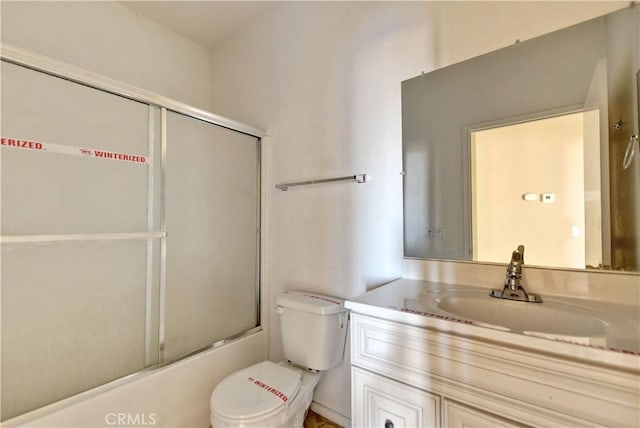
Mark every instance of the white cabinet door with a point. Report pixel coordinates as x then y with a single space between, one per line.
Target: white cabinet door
379 402
457 415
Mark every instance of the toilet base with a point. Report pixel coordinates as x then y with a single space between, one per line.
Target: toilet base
291 416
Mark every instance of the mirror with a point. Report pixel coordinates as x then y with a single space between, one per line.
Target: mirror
526 145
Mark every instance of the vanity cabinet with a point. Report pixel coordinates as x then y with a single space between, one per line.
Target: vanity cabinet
383 402
411 376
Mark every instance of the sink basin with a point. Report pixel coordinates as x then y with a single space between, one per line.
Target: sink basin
555 318
548 317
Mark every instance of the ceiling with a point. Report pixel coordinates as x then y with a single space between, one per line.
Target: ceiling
205 22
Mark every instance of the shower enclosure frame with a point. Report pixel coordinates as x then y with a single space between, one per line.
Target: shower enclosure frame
158 105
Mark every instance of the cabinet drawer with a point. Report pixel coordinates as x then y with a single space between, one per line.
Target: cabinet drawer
378 402
456 415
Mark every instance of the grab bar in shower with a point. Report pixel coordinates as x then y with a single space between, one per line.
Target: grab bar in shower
358 178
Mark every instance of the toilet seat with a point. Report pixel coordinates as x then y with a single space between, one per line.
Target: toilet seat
257 391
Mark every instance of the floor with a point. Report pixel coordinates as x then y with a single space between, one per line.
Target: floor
314 420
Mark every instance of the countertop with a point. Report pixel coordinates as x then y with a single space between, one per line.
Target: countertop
404 300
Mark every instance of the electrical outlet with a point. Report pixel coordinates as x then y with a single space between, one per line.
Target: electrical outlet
435 233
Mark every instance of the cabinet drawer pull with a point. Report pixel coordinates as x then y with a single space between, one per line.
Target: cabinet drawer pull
388 424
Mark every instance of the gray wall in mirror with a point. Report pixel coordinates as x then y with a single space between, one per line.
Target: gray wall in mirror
544 76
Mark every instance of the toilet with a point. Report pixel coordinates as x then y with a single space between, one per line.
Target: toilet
271 394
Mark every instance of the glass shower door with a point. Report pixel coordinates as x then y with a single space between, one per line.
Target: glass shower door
129 235
213 222
75 175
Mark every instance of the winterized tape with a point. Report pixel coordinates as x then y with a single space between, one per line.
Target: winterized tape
18 143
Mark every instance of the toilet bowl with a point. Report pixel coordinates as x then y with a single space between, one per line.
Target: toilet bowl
271 394
282 400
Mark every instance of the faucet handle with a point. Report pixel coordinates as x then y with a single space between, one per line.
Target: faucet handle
517 260
521 251
513 268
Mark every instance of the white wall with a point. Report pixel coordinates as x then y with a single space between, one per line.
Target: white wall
324 79
109 39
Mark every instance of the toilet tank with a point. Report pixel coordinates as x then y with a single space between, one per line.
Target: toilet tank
314 329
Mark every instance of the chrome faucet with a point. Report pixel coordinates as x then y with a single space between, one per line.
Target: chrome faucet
513 288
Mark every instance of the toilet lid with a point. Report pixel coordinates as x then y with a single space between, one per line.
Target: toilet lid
262 388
